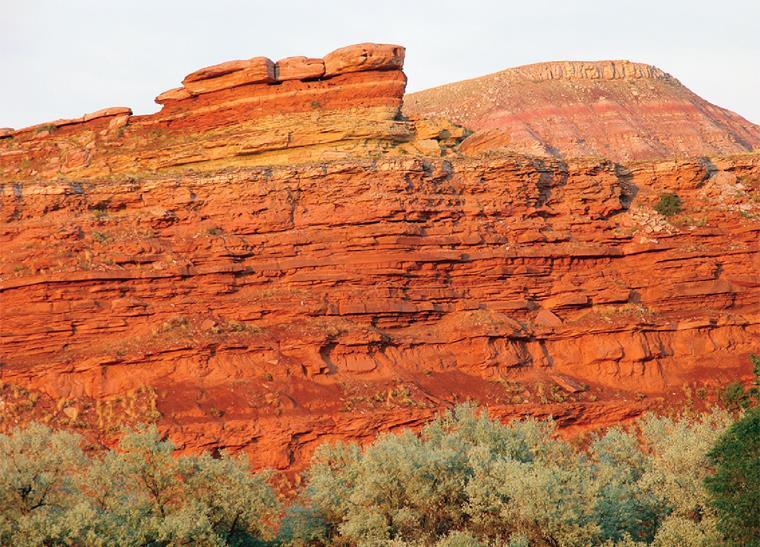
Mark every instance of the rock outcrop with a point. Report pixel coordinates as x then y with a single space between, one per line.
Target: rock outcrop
612 109
234 114
283 262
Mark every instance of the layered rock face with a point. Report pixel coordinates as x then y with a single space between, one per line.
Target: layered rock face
271 263
250 112
612 109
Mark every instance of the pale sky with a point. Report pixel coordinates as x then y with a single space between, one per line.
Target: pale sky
63 58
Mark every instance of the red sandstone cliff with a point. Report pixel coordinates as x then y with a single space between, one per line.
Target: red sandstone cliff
277 259
612 109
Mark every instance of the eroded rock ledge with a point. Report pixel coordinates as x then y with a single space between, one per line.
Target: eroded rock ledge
246 112
277 260
590 70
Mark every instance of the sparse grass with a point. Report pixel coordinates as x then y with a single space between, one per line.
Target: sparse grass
135 406
215 412
692 221
557 394
100 237
515 391
629 309
236 327
398 395
48 128
175 323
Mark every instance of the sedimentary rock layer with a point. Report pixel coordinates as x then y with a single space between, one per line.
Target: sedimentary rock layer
235 113
253 271
613 109
270 309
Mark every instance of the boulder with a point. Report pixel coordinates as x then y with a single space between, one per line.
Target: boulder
362 57
299 68
175 94
215 71
257 71
105 112
547 319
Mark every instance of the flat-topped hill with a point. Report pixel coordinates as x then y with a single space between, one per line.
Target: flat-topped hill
614 109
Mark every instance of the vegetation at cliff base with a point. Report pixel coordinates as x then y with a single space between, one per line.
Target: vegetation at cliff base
140 494
469 480
735 486
465 480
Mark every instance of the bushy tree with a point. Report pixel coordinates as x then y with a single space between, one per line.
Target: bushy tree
398 489
735 486
547 503
622 508
38 494
464 472
145 495
140 494
676 472
469 480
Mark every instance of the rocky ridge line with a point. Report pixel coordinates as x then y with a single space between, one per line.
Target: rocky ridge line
585 70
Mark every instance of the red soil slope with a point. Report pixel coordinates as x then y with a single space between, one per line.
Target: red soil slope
613 109
271 263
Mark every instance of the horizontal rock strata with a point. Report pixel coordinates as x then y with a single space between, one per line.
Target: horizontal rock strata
234 113
270 309
274 265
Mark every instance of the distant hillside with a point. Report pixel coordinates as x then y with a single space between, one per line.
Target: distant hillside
614 109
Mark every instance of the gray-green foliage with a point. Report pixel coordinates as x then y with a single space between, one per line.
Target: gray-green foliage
303 526
146 495
464 481
37 486
469 480
675 474
138 495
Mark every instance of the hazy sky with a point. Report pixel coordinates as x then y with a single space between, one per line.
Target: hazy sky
64 58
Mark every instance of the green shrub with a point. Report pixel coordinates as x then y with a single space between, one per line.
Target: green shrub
734 397
735 487
754 391
668 205
100 237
